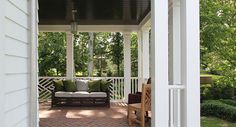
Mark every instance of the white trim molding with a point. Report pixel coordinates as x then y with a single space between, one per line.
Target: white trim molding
2 63
190 63
33 37
146 22
89 28
159 63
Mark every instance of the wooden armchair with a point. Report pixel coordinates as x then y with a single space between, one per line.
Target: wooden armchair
142 107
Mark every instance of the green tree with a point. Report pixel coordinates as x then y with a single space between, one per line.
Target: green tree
101 57
81 56
116 51
218 37
134 55
52 52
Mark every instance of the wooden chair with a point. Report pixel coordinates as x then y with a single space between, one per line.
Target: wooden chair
142 107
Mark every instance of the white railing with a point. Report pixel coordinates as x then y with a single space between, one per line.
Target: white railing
175 105
116 89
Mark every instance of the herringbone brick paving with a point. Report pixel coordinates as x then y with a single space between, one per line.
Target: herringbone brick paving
116 116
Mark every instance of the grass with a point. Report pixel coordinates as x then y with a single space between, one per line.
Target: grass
215 122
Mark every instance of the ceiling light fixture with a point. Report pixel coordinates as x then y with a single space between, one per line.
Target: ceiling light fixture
74 24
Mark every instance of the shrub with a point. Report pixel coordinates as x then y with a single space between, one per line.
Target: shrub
218 109
228 101
220 89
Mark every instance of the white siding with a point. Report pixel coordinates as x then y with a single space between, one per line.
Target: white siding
14 63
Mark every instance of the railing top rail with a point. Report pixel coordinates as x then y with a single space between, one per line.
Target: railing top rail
176 86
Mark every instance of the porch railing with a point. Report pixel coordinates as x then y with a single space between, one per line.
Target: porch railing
116 89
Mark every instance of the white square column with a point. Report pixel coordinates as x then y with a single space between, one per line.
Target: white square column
159 63
127 65
69 56
190 69
174 62
143 56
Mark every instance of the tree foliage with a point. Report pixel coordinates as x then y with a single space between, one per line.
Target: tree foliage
116 52
52 53
218 38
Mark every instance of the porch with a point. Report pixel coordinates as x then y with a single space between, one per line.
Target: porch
174 54
116 116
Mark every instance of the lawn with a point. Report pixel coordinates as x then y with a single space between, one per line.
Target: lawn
215 122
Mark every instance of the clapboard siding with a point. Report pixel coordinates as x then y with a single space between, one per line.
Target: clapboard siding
15 64
23 123
16 48
16 82
17 118
16 15
21 5
16 31
16 99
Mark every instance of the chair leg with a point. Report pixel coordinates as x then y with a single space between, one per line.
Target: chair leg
129 117
142 123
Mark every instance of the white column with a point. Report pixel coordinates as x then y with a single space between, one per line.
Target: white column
140 60
69 56
175 61
145 53
127 65
159 63
190 69
90 46
143 56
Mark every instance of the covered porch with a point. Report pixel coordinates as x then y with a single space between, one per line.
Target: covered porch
170 56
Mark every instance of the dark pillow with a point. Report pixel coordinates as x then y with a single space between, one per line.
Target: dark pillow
70 86
94 86
104 84
58 84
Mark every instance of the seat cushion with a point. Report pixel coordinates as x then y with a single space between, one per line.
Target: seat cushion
98 94
70 86
63 94
82 85
80 94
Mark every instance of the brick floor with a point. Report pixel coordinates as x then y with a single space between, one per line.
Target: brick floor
83 116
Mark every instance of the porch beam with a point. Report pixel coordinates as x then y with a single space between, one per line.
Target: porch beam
127 64
159 63
89 28
190 69
69 56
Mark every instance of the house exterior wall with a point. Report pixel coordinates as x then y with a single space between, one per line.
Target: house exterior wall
15 63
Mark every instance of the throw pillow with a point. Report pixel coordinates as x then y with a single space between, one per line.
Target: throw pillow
70 86
104 85
58 85
94 86
82 85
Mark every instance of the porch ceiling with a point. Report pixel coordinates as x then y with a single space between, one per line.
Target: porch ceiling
93 12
